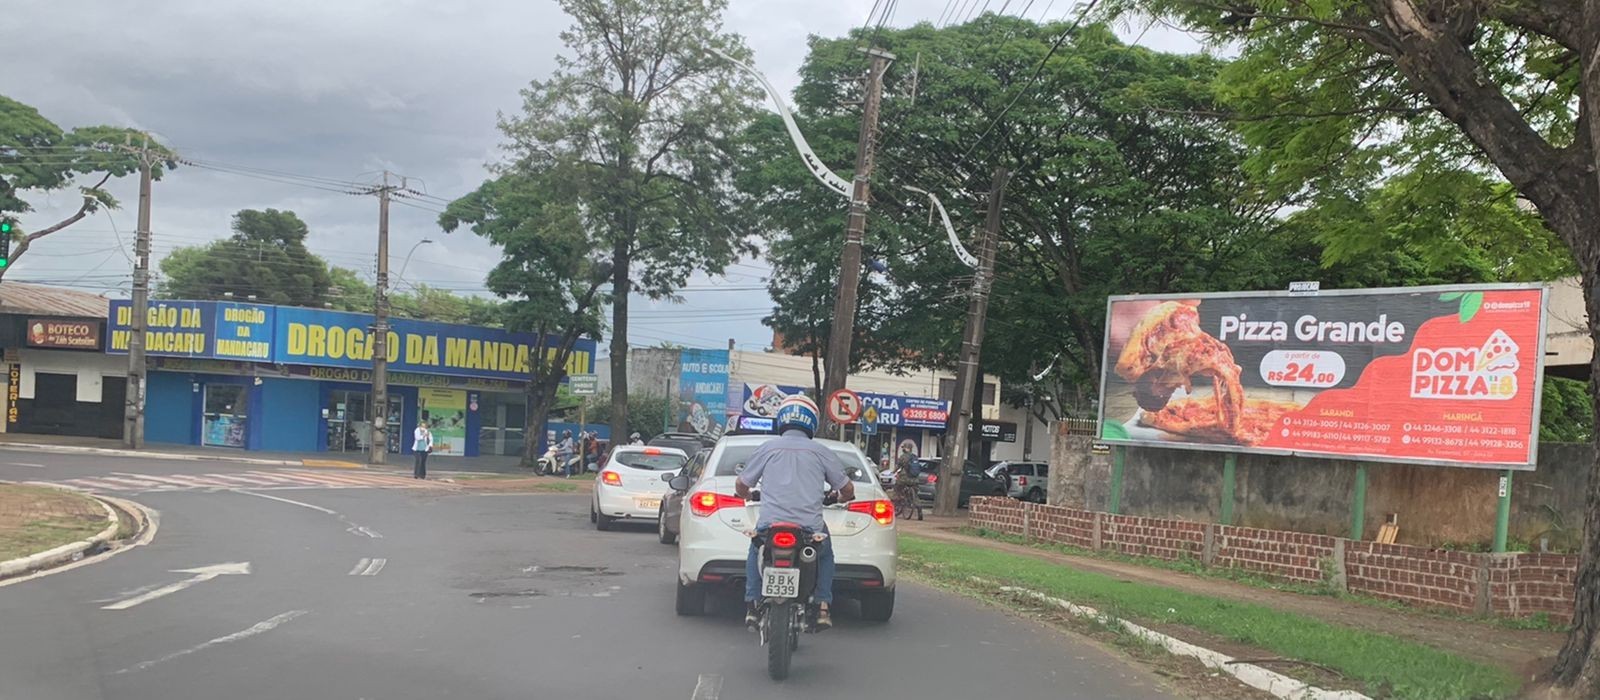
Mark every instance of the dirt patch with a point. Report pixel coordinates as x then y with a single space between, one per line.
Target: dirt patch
34 519
1513 650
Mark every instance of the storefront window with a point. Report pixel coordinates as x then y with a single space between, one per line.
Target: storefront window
349 416
225 418
503 418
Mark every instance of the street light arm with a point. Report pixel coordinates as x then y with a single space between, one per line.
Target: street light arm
955 241
827 177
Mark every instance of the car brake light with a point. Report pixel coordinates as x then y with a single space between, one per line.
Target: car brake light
1022 481
704 503
611 478
933 478
784 540
652 450
881 511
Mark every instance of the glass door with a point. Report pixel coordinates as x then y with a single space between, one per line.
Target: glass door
350 421
224 420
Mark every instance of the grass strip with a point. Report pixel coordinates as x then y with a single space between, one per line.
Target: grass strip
1379 665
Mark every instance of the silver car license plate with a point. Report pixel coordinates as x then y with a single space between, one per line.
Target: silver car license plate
780 583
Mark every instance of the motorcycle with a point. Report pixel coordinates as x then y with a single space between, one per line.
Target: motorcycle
787 556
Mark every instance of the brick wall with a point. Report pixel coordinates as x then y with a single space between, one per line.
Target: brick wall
1288 556
1511 585
1414 575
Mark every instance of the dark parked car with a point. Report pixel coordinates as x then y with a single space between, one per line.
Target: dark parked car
973 481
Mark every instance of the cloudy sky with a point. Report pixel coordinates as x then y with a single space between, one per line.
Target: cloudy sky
344 89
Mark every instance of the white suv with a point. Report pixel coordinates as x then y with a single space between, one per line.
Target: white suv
712 542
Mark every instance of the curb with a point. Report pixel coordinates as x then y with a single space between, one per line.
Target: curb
65 553
1271 682
38 447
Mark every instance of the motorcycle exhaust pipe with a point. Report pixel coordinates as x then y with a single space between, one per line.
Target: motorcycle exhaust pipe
808 554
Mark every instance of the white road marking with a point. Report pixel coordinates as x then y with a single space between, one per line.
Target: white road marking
27 464
369 567
201 574
709 687
360 567
288 501
266 625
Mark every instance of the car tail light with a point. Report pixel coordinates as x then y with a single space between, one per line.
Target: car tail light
881 511
611 478
933 478
1022 481
652 450
704 503
784 540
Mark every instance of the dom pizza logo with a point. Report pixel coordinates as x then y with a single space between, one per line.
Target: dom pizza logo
1486 372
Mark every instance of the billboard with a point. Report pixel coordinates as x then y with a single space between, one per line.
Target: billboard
702 391
288 335
761 400
1438 375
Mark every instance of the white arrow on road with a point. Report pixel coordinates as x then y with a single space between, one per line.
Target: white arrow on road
203 573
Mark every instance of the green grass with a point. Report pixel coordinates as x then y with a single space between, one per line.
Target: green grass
1190 565
1380 665
41 535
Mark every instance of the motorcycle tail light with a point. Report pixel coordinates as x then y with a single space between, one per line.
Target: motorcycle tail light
784 540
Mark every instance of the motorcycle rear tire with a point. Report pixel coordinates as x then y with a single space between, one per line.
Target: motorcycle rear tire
780 639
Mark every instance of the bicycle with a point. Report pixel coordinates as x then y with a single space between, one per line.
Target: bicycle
906 502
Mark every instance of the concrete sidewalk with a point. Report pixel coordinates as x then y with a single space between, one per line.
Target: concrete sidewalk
1520 651
83 445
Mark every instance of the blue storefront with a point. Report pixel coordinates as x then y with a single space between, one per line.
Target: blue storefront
277 378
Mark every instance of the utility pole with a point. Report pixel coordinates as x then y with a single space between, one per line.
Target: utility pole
380 330
133 416
844 303
948 489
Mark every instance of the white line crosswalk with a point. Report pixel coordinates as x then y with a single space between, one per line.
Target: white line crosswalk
258 480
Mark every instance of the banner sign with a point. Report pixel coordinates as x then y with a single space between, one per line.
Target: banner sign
761 400
1437 375
316 337
74 335
702 391
446 413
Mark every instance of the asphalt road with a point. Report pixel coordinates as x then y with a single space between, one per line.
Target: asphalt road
477 596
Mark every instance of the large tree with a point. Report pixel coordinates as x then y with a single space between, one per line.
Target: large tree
550 273
1337 92
265 258
38 157
643 121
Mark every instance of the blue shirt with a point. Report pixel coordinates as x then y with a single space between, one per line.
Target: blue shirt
793 472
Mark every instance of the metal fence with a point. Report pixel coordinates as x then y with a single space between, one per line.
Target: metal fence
1087 427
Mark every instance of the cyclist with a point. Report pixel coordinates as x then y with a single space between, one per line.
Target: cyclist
794 473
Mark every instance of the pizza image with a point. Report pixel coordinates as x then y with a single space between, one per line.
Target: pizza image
1165 352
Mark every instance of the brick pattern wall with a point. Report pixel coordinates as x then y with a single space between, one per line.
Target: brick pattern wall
1529 583
1288 556
1152 537
1414 575
1511 585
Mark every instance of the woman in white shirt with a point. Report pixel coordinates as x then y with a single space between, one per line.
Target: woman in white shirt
422 444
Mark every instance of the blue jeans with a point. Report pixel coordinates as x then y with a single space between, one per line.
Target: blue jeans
752 570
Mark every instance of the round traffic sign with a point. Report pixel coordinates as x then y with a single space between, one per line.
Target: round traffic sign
844 406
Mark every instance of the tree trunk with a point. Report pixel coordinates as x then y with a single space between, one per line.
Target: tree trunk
541 393
621 287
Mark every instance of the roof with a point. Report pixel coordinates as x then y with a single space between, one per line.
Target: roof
24 299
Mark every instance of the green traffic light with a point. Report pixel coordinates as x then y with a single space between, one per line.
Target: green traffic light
5 227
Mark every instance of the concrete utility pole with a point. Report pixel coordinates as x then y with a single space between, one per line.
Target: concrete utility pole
948 489
844 303
380 330
139 310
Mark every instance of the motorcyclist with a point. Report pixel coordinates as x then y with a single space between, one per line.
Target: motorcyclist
565 451
634 439
792 471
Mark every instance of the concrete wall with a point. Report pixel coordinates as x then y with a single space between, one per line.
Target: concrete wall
1434 505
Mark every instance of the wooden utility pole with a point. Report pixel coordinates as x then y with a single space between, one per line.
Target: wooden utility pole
844 302
380 331
139 310
947 490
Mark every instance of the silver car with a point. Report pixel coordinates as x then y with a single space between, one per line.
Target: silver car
1029 481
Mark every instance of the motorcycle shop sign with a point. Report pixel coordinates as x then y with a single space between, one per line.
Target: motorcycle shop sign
1435 375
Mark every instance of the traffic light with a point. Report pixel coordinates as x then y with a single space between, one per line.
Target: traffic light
5 243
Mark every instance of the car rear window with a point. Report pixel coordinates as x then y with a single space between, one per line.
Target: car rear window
689 446
651 462
1043 469
733 457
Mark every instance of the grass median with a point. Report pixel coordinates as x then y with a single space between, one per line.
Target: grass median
1380 665
34 519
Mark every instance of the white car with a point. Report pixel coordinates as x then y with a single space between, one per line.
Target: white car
712 543
630 486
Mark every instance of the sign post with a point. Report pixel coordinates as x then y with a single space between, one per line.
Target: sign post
844 407
1502 513
583 384
1358 508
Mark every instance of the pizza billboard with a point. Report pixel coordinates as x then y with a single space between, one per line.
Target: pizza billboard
1438 375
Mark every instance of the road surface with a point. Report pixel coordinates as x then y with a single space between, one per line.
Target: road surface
258 587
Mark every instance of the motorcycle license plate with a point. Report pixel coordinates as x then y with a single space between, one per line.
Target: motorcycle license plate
780 583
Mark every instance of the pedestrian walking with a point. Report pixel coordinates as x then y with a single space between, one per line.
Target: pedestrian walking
422 444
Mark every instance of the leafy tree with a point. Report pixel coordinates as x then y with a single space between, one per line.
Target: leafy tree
266 257
1565 412
639 124
1339 94
645 413
36 156
351 293
549 274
